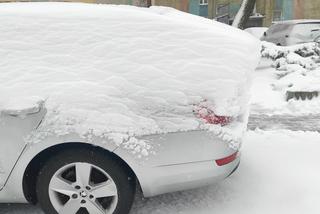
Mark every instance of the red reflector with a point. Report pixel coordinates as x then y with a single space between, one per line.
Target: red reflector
226 160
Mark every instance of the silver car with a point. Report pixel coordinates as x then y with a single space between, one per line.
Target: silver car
67 175
293 32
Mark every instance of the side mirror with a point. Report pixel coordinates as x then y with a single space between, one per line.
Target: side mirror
265 33
24 112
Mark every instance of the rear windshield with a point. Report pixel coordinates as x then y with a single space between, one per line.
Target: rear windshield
306 30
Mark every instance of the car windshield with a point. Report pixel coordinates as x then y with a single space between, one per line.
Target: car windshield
307 31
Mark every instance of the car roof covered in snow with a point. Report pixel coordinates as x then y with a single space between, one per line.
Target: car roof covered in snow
121 71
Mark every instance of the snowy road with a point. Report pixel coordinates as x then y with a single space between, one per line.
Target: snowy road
277 175
290 122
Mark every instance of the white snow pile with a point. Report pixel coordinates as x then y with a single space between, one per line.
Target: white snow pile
297 67
120 72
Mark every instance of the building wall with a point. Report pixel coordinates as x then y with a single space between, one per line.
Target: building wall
298 9
126 2
194 7
203 10
265 8
311 9
114 1
290 9
190 6
182 5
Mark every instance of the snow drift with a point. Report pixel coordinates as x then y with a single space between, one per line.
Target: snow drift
119 72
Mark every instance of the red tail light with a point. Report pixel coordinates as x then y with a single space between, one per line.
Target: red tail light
215 119
210 117
226 160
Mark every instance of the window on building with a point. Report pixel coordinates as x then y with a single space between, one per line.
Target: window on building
224 19
222 9
203 2
222 13
277 15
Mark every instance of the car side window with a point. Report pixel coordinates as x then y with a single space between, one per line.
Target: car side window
308 31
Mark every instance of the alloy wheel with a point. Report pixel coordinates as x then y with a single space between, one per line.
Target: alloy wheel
83 188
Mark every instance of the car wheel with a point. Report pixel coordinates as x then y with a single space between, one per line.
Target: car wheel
84 181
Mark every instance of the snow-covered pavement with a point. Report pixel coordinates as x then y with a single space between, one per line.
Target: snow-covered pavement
278 174
295 123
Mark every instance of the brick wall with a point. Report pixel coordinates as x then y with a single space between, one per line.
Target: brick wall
182 5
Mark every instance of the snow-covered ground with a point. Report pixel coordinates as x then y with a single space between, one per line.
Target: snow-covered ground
278 174
269 92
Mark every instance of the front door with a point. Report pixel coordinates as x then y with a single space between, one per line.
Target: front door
14 127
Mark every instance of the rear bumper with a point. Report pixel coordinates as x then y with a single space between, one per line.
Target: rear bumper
174 178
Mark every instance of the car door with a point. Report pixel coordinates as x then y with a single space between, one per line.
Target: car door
14 127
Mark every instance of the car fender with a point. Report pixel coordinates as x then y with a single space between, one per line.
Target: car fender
13 189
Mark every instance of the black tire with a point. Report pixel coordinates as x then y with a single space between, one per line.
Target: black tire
125 182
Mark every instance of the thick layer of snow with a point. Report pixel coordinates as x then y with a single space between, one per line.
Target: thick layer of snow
278 174
119 71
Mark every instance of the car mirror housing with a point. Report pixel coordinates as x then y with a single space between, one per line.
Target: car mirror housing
25 111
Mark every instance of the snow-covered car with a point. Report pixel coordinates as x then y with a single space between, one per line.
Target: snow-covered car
293 32
98 100
256 31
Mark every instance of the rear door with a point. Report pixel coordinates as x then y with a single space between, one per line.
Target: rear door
14 127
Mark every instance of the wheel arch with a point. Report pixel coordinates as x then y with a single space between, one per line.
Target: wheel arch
32 170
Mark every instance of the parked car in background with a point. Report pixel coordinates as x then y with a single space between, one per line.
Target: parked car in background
256 31
293 32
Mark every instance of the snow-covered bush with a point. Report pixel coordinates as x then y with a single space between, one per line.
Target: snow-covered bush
297 67
119 72
272 51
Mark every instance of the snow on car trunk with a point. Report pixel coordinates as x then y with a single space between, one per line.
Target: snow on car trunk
119 72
